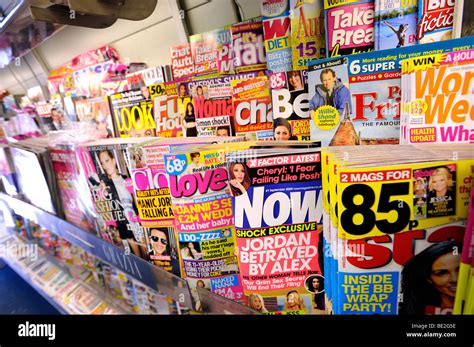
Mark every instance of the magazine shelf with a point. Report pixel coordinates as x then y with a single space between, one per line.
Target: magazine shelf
152 276
61 308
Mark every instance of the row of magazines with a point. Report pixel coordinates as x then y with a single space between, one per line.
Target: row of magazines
283 227
75 281
286 36
408 95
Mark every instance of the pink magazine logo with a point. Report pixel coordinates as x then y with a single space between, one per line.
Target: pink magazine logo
352 26
202 182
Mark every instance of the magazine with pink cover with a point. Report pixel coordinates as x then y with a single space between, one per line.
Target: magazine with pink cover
212 100
182 61
204 50
73 189
249 46
204 221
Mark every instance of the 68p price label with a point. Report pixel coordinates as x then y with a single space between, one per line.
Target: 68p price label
372 203
175 164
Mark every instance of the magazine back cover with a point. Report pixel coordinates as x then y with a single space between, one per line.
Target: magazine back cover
32 181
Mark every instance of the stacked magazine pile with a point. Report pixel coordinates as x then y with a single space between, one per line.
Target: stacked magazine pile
68 291
437 95
394 227
203 218
464 303
152 195
356 99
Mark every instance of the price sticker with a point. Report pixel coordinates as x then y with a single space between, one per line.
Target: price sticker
175 164
374 202
277 80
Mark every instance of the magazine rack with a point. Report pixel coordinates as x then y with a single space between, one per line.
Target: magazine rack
9 239
62 309
150 275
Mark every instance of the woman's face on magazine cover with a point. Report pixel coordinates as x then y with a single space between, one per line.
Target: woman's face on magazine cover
222 132
256 303
291 300
56 116
159 240
295 81
419 184
282 133
444 274
108 164
145 92
190 108
238 172
315 283
440 183
182 90
199 90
